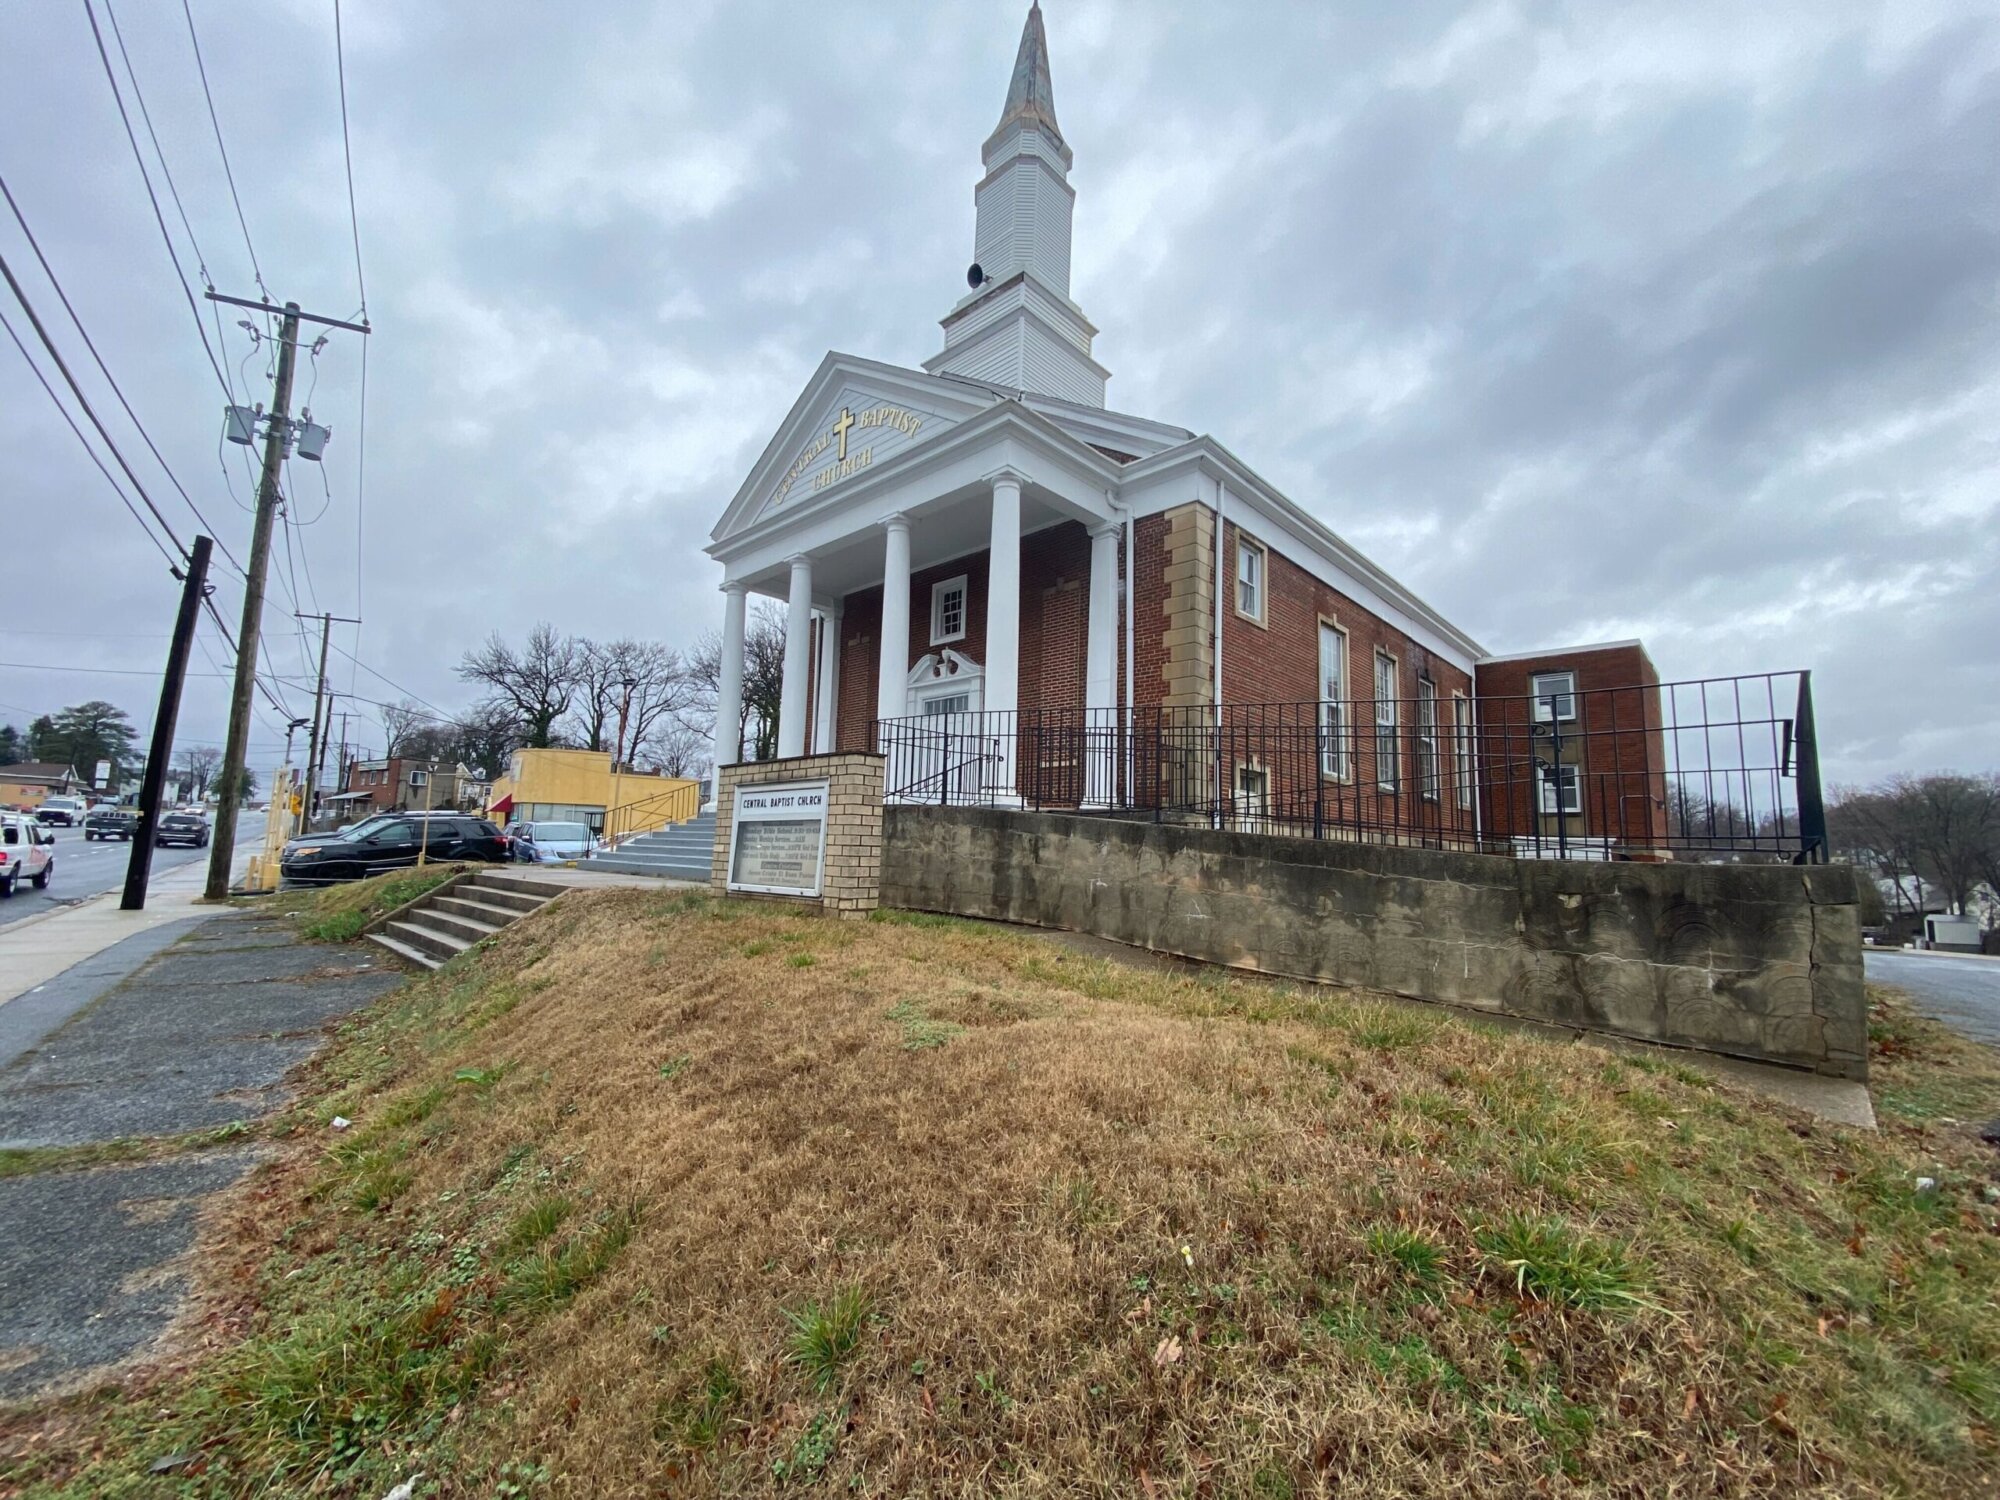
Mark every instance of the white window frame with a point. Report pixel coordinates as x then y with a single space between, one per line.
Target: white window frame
1386 721
1260 586
1461 735
939 591
1333 698
1568 783
1427 738
1253 806
1565 704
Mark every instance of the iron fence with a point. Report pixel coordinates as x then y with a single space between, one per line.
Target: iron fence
1723 768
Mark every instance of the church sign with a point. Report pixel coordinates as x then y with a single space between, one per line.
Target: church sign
853 436
778 839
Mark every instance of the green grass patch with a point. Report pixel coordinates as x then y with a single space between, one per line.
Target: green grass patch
338 913
825 1335
1547 1261
920 1031
26 1161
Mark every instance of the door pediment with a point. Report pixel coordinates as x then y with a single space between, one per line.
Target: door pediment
853 416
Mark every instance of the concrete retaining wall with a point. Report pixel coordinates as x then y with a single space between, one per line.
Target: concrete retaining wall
1760 962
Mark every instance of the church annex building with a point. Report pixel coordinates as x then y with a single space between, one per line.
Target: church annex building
1021 597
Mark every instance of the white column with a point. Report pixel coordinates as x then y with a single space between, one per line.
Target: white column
798 661
826 685
892 682
1100 668
729 685
1003 625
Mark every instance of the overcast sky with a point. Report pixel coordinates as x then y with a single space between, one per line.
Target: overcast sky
1679 321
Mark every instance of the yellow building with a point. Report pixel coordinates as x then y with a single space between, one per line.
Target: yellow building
580 786
26 784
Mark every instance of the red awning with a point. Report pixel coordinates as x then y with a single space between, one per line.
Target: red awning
505 804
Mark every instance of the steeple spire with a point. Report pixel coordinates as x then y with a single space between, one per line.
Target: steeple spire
1031 97
1017 326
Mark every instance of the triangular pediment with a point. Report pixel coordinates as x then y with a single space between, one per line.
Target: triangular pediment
853 416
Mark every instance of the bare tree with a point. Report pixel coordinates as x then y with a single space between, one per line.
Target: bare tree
404 725
677 749
763 679
1941 830
660 687
198 767
540 682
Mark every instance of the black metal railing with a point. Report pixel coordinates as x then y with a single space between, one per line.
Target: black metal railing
1715 768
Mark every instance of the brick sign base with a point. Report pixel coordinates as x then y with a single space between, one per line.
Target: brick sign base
851 881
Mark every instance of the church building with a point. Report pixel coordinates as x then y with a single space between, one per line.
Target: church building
1020 595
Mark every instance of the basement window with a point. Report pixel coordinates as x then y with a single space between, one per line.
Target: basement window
1561 792
948 611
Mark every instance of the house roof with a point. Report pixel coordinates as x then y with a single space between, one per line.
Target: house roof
38 770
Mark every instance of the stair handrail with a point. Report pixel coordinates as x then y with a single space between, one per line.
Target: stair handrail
674 804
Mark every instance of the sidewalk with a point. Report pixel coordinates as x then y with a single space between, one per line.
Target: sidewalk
36 950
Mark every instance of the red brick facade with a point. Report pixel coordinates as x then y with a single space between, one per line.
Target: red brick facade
1614 738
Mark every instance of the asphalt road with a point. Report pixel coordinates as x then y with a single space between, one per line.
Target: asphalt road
87 868
1964 993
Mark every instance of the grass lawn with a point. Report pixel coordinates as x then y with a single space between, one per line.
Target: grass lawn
659 1195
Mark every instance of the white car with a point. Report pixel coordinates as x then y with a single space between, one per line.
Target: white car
550 843
26 848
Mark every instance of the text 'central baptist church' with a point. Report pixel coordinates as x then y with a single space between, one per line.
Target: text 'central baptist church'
980 552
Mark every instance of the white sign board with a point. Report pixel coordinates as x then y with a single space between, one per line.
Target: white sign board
777 838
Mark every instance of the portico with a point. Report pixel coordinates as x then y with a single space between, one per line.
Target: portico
967 476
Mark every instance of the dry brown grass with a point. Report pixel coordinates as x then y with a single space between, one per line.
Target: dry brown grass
624 1188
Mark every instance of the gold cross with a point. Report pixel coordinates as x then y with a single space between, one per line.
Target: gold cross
840 430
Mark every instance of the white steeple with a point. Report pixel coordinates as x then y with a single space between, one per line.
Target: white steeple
1017 327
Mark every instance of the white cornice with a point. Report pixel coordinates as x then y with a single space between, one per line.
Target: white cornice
1210 458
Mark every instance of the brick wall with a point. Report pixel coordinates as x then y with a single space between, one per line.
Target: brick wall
850 881
1615 741
1055 609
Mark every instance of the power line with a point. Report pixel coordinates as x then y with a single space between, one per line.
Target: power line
153 198
442 715
227 175
105 370
173 563
347 149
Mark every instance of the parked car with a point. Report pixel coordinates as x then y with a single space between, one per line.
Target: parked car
108 822
26 848
391 843
551 843
182 828
373 820
67 811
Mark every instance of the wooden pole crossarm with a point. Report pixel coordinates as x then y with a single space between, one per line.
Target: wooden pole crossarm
303 317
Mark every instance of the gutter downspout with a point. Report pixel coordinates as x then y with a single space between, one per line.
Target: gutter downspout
1215 819
1127 567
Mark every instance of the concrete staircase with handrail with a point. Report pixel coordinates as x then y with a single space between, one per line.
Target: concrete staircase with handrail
685 851
442 925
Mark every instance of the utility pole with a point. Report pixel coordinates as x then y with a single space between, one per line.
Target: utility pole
277 442
317 743
139 867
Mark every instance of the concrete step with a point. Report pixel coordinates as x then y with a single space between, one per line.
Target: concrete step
439 944
479 911
513 891
404 950
651 862
469 928
659 869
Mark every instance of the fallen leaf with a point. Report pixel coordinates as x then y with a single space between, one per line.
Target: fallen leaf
1168 1353
1693 1400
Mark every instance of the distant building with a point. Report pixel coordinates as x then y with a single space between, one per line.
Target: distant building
26 784
402 784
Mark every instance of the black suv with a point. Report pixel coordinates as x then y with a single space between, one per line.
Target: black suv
182 828
109 823
388 844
